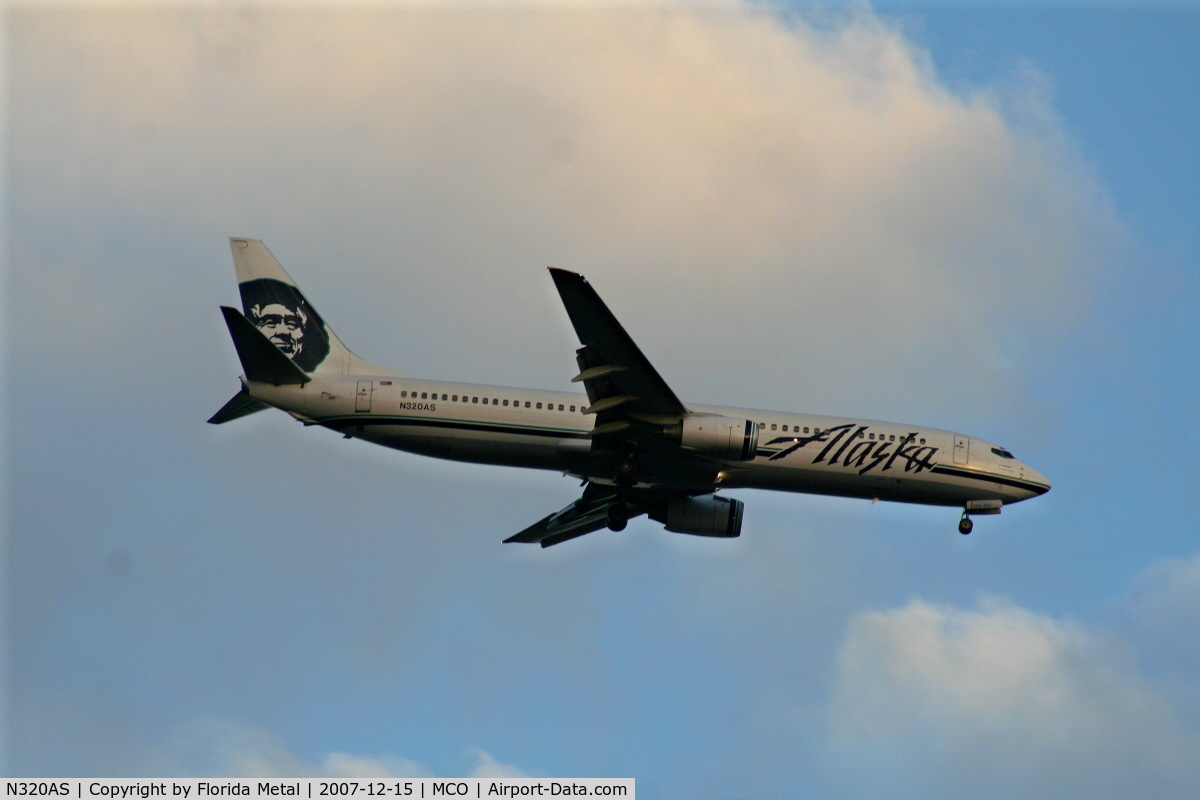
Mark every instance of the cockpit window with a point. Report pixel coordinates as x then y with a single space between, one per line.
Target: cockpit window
1000 451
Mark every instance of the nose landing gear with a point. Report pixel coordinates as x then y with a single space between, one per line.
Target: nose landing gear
965 525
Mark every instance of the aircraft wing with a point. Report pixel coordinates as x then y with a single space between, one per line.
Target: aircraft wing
587 514
621 383
632 404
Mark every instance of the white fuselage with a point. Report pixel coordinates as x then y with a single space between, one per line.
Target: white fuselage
547 430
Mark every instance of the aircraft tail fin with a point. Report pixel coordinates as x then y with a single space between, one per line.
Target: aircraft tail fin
262 360
272 303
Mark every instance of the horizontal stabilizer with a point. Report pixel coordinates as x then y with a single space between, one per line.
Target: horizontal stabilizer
564 525
588 513
240 405
262 361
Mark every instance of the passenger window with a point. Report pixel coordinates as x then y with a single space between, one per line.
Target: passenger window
539 405
922 441
806 430
572 409
871 436
527 404
892 438
772 426
474 399
403 393
424 395
443 397
560 406
505 403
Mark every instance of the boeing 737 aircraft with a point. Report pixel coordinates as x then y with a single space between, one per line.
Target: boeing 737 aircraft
637 447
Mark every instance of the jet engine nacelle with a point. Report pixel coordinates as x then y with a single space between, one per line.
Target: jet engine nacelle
720 437
708 515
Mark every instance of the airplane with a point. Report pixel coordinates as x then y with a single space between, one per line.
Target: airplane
636 447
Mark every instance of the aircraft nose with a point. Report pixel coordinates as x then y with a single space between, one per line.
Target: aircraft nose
1038 478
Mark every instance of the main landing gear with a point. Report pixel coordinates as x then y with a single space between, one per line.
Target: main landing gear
624 476
617 516
626 471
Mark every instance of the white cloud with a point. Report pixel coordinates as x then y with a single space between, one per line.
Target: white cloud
1161 615
744 179
487 768
998 701
784 215
1167 594
210 747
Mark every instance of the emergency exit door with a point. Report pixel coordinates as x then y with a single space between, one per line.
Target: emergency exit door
362 400
962 447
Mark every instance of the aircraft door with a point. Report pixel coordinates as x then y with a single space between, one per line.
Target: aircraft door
962 448
362 399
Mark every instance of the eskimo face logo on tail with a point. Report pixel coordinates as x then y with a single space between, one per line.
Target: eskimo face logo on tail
285 317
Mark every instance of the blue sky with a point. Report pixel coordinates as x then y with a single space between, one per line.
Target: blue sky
977 218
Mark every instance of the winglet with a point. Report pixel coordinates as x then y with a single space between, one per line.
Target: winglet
262 361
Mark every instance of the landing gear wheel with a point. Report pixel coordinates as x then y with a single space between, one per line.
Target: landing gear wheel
618 517
965 525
